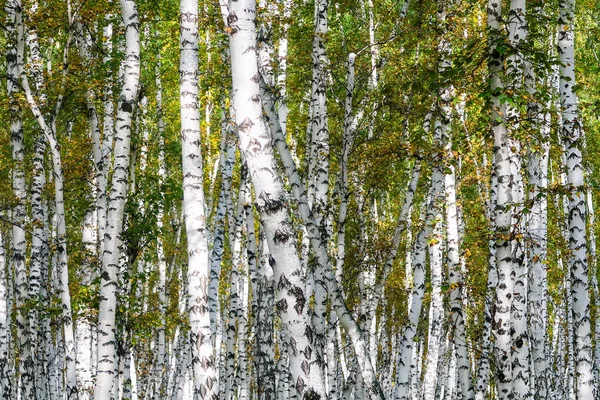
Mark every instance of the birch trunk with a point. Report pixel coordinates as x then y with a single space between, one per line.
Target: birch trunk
318 186
116 204
319 244
577 261
406 367
14 60
256 146
161 341
538 242
6 370
483 375
455 275
436 310
521 360
107 140
265 356
84 333
203 359
49 130
503 207
227 161
40 254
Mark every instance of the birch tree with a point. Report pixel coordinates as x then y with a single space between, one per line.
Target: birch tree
255 144
577 261
203 361
116 204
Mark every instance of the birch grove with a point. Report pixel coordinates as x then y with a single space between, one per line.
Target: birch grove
351 200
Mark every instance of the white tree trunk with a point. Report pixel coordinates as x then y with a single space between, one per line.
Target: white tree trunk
318 244
6 370
14 58
405 366
520 357
49 130
203 359
436 308
227 161
503 213
577 261
256 146
265 355
538 243
116 204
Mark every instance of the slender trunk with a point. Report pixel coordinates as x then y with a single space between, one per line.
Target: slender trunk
503 212
6 372
538 242
265 356
40 254
106 149
436 309
84 329
14 59
230 377
203 360
49 130
577 261
227 161
483 373
116 205
406 367
318 244
161 357
256 146
520 357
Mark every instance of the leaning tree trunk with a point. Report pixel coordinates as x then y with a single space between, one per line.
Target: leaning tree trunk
256 146
319 245
572 136
49 130
116 205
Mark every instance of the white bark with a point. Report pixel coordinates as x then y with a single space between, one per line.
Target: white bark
483 373
520 357
203 359
318 174
6 371
538 242
84 333
14 58
227 161
503 213
436 310
406 367
234 312
49 130
39 322
106 149
577 261
265 355
161 351
319 246
116 204
455 281
256 146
